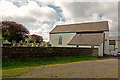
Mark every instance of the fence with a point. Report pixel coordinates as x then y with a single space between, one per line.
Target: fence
15 52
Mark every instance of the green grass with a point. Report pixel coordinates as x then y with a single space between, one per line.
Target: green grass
14 72
17 66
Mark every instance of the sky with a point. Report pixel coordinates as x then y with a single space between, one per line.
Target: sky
40 17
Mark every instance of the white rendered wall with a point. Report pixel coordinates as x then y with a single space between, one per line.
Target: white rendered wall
112 47
106 44
113 50
66 37
71 45
100 50
116 46
81 46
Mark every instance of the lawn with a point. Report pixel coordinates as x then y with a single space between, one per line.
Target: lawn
14 67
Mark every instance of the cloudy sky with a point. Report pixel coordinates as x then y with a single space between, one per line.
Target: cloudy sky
41 17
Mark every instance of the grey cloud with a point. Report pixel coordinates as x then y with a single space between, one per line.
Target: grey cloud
91 11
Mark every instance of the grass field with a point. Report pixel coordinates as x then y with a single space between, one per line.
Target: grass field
14 67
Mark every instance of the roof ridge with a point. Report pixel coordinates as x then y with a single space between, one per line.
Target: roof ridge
81 23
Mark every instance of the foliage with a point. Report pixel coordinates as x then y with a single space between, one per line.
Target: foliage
13 31
1 37
30 40
37 38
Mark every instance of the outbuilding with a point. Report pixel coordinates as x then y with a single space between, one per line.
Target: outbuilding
114 44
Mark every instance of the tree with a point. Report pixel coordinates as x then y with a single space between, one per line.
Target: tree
30 40
37 38
13 31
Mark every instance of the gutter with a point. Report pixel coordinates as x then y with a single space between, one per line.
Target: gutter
103 44
76 32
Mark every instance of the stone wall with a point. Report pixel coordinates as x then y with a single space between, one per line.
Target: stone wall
15 52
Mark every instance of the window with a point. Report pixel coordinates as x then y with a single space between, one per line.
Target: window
60 40
112 44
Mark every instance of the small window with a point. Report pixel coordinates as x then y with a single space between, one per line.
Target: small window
60 40
112 44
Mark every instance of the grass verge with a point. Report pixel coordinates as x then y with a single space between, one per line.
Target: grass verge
14 72
14 67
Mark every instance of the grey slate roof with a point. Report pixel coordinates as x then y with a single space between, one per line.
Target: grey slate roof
87 39
90 26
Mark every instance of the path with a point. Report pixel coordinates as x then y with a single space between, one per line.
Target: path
106 68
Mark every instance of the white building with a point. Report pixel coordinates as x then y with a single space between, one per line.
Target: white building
113 44
87 35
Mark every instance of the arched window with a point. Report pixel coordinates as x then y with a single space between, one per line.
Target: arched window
60 40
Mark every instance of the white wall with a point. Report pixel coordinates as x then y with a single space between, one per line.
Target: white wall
112 47
82 46
113 50
100 50
117 41
66 37
106 47
71 45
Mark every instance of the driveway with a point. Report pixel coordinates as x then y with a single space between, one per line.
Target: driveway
105 68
